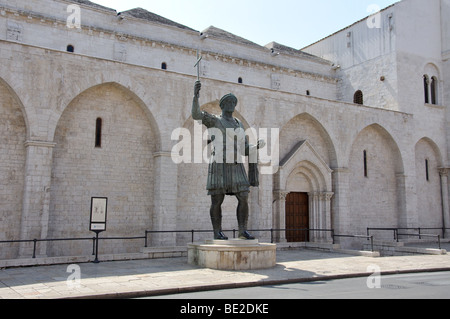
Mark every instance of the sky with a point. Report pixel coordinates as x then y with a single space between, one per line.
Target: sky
294 23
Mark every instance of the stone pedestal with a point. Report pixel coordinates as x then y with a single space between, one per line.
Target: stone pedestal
234 254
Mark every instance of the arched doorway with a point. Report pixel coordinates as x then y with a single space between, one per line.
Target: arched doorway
297 217
303 199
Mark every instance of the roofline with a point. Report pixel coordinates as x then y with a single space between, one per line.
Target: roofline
94 6
163 20
349 26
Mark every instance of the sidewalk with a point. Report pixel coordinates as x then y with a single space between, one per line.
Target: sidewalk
127 279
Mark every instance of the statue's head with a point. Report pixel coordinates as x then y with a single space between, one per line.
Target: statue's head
228 103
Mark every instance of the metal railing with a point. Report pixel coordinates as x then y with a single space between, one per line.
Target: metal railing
419 233
94 242
359 236
35 241
273 232
234 231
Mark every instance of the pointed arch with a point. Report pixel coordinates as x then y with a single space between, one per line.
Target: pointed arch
122 169
375 199
305 126
305 159
389 140
434 147
428 160
303 170
19 103
129 94
14 132
213 107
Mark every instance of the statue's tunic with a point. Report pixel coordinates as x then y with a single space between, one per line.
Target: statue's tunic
225 176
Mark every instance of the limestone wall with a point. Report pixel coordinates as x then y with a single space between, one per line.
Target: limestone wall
50 100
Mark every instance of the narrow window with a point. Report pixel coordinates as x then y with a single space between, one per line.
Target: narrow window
164 66
425 88
70 48
98 133
240 81
365 164
358 97
308 92
427 170
434 90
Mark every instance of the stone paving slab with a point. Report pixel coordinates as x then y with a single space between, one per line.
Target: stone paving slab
134 278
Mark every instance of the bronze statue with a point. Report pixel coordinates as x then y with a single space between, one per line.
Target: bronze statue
225 176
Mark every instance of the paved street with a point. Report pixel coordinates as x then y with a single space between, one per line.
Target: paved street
435 285
152 277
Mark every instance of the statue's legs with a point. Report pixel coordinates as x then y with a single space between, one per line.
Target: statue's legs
216 216
242 215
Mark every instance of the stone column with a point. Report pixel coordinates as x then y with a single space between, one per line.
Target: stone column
320 215
443 172
314 215
165 200
279 216
326 221
36 196
407 201
408 215
340 220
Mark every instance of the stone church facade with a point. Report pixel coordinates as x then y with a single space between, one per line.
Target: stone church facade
90 100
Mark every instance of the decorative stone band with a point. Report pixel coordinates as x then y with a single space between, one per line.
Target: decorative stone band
162 154
326 196
40 144
444 171
280 195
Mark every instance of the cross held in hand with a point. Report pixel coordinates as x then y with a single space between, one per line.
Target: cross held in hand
197 65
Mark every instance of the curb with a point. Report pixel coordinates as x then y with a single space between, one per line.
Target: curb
250 284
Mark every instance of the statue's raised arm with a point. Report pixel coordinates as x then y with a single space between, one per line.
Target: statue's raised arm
196 112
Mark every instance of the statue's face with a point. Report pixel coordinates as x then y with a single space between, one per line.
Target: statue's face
229 106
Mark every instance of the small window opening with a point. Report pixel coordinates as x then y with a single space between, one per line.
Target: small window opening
240 81
70 48
358 97
425 88
427 170
98 133
366 174
434 90
308 92
164 66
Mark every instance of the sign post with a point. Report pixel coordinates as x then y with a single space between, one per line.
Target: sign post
99 210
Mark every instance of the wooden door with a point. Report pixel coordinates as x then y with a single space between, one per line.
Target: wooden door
297 217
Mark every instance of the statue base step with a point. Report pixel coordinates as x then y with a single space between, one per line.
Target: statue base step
233 254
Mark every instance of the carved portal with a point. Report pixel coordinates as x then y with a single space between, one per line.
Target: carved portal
303 170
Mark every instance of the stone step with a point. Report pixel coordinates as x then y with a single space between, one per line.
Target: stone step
165 252
399 248
320 246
